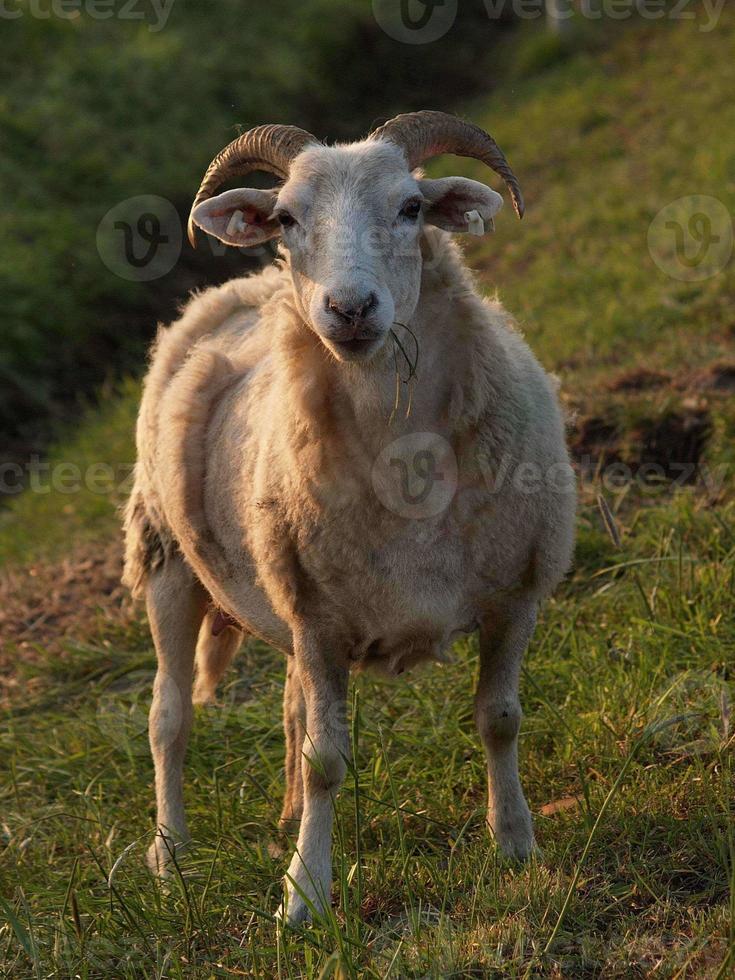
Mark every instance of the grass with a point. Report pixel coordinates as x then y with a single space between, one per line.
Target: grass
625 679
627 745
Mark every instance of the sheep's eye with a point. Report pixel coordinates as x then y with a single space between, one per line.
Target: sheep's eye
285 219
411 209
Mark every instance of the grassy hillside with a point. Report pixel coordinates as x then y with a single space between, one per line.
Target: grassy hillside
628 688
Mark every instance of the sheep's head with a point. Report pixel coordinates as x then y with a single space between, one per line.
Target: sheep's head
351 217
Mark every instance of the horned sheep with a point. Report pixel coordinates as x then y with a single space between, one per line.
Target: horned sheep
290 486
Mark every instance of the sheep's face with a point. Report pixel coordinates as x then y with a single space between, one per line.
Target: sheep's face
350 219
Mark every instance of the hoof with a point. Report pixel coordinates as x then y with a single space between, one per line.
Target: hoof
514 836
160 855
305 895
295 911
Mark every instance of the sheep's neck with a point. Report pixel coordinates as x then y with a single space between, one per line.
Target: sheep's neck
369 403
388 393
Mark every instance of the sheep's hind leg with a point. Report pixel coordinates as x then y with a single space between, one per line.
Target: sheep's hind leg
176 606
324 679
504 636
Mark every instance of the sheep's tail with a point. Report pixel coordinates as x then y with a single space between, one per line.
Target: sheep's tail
181 458
148 543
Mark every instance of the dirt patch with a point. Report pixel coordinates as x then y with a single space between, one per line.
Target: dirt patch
668 448
595 442
640 379
674 444
717 377
46 605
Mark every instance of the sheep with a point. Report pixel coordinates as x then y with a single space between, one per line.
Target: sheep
353 456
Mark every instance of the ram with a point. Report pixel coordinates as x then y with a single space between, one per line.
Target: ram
352 456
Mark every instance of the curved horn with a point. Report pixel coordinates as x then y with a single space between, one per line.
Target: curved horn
270 148
427 134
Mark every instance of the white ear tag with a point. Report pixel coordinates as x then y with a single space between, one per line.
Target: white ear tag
476 225
236 223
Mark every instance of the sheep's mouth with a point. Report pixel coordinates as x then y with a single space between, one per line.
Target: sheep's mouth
358 347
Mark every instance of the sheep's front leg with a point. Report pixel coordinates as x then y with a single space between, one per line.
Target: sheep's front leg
176 606
325 748
504 636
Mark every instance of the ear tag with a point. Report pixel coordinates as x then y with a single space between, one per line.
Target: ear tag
236 223
475 224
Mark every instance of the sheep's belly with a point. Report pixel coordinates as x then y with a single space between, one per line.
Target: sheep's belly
413 604
396 653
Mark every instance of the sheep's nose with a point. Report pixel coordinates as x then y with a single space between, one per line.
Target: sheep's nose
351 312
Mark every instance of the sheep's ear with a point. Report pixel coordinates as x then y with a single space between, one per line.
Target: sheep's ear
241 217
460 204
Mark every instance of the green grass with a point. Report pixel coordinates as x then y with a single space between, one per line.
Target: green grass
627 689
625 675
75 491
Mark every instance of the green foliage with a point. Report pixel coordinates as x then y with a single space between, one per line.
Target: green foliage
75 492
539 51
